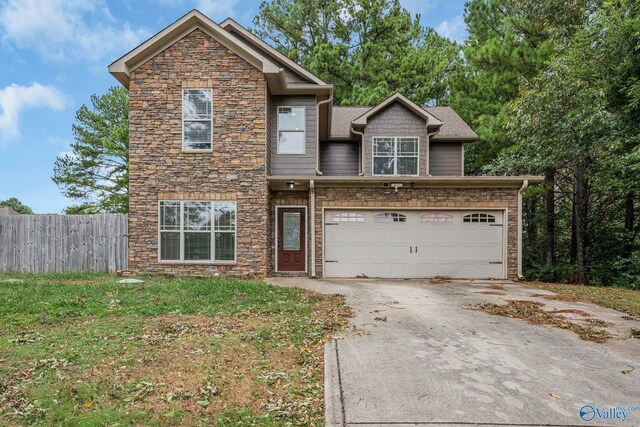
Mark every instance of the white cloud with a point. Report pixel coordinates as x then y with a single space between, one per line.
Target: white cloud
14 99
454 28
66 29
217 9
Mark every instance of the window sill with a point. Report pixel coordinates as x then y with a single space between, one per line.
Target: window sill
210 150
198 262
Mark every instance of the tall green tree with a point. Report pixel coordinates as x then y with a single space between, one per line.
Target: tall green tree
96 173
368 49
509 42
16 205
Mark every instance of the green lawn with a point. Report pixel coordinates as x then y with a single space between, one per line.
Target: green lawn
85 350
621 299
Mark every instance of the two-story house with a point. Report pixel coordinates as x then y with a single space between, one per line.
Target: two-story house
240 164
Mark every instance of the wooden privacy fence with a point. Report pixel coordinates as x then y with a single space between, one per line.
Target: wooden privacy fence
62 243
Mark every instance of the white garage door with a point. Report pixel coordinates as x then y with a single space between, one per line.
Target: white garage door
410 244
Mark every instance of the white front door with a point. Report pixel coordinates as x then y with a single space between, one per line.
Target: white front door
410 244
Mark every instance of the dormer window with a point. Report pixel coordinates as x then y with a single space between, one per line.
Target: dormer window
291 130
395 156
197 118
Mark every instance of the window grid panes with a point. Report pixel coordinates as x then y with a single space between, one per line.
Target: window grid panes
390 217
197 231
197 118
347 217
395 156
479 217
291 130
435 217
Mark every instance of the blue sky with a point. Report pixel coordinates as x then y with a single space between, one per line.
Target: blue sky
54 55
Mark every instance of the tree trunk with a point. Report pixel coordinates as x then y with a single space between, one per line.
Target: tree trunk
550 198
581 208
629 222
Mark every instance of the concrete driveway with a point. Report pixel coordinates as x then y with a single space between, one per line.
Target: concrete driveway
417 355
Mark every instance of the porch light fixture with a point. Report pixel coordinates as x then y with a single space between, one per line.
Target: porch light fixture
290 185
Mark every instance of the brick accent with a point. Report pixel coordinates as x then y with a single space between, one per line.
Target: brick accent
423 198
234 170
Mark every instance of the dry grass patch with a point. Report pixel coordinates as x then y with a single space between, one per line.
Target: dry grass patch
491 293
497 287
533 313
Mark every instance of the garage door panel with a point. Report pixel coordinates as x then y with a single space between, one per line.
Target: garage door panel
456 249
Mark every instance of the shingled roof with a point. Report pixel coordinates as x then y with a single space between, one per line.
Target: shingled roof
453 127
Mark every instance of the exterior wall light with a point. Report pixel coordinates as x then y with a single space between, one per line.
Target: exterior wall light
290 185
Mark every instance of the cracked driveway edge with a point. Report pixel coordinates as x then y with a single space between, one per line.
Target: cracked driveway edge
434 362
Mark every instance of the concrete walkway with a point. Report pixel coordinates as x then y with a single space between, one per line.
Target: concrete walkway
418 356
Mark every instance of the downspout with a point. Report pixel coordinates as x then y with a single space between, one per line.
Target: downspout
312 225
429 135
525 184
318 104
361 149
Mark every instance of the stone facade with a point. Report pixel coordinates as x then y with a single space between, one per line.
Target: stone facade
504 198
233 170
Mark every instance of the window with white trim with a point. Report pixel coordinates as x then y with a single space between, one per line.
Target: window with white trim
479 217
436 218
395 155
197 231
390 217
347 217
291 130
197 119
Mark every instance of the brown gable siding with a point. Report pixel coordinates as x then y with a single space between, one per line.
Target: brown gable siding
159 168
396 120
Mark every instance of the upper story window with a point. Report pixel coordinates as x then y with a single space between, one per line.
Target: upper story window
291 130
197 118
395 155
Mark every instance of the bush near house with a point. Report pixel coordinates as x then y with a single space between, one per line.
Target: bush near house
85 350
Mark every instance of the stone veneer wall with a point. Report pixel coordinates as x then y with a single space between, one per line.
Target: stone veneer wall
287 198
423 198
234 170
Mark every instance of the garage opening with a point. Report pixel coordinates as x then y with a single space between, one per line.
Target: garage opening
414 244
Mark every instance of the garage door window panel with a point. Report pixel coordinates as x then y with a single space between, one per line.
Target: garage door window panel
479 218
390 217
347 217
436 218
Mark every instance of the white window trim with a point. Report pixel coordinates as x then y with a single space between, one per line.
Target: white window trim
304 131
193 150
395 155
306 240
181 231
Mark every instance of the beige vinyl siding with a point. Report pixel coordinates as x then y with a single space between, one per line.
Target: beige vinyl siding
294 164
445 158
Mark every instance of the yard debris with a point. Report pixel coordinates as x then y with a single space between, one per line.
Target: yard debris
635 333
113 304
497 287
130 281
555 396
628 371
439 280
27 338
362 276
532 312
380 319
557 297
12 281
491 293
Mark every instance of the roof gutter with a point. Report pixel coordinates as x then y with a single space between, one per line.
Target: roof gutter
318 104
525 184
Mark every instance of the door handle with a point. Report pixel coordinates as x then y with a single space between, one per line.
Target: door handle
410 249
416 249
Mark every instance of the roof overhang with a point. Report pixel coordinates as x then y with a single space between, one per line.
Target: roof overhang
229 24
121 69
408 182
415 108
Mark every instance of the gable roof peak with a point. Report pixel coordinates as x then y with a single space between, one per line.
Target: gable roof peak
121 68
399 98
